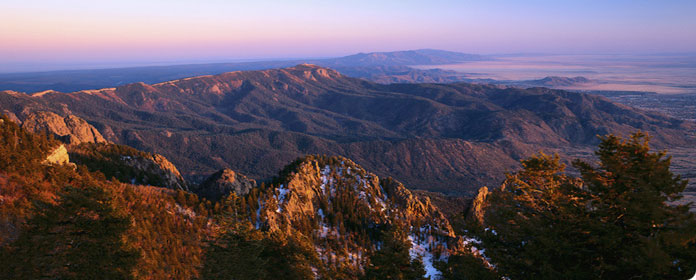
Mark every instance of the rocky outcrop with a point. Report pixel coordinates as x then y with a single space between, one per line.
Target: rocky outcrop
70 129
313 182
58 156
128 165
477 210
156 168
223 183
11 116
332 198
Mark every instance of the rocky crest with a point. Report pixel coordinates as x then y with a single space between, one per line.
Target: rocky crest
160 167
70 129
223 183
336 201
315 179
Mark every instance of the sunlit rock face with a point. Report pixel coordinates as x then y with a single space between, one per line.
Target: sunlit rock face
70 129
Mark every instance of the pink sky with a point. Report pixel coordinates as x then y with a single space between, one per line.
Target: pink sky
72 32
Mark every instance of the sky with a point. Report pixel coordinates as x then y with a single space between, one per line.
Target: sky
43 35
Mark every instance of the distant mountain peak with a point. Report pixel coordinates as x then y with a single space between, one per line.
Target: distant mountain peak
138 86
559 81
405 58
312 71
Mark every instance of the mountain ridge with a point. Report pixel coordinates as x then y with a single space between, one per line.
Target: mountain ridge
76 80
430 136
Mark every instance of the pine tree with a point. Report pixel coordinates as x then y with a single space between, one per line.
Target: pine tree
640 233
236 255
393 261
465 266
290 256
615 222
77 238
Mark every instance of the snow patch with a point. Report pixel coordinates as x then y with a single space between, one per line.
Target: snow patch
282 194
320 212
420 248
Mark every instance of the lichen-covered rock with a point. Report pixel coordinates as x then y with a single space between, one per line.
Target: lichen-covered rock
70 129
223 183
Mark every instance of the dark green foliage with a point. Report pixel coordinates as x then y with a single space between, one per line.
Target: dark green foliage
290 256
462 266
535 219
630 191
77 238
615 222
20 150
236 255
392 260
244 253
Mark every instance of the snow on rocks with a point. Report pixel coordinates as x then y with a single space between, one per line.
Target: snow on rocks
420 249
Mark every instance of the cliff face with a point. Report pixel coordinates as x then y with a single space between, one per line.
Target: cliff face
223 183
70 129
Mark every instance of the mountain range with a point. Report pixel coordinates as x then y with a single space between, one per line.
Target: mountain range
450 138
87 188
383 67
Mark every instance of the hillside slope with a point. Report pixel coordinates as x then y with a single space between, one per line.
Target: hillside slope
322 217
450 138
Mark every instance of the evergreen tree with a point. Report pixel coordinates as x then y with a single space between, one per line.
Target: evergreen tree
80 237
290 256
639 233
236 255
461 266
615 222
393 261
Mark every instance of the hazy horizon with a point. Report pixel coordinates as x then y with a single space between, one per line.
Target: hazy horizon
44 35
97 65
